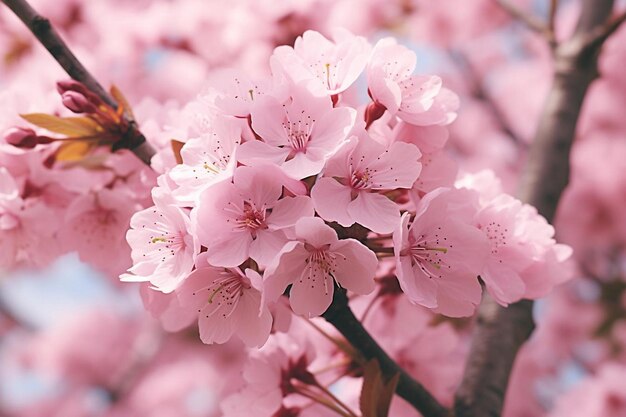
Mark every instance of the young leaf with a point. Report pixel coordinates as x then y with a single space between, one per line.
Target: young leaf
176 147
69 126
74 150
376 392
121 101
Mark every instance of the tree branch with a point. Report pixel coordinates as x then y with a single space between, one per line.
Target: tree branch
500 332
341 316
50 39
531 21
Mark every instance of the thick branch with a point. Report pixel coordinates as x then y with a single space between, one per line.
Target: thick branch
50 39
341 316
500 332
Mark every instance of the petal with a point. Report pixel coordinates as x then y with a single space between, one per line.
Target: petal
312 292
419 288
286 267
267 245
255 152
355 266
331 201
287 211
397 167
315 232
374 211
231 250
258 186
252 328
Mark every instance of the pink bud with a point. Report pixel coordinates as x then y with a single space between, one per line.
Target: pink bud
66 86
21 137
373 112
77 102
71 85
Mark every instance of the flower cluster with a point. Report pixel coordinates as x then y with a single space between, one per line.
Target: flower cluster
291 186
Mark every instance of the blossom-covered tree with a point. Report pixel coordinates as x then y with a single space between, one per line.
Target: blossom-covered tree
318 213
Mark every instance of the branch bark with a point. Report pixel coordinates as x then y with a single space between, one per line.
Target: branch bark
341 316
500 332
52 41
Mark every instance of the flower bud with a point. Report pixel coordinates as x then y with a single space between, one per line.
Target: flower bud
21 137
77 102
66 86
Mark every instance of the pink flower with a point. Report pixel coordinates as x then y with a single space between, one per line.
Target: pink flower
228 302
247 217
416 99
354 181
95 225
438 168
298 135
524 260
162 247
269 377
206 159
26 232
313 263
330 66
440 255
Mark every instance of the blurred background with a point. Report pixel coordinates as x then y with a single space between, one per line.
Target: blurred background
74 341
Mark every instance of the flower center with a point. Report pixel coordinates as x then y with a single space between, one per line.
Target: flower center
360 180
252 219
224 293
428 255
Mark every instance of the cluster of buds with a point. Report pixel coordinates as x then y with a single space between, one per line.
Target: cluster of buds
100 124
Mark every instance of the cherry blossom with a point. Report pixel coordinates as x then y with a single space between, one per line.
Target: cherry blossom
313 263
440 254
332 66
352 186
298 135
416 99
162 247
206 159
247 217
228 302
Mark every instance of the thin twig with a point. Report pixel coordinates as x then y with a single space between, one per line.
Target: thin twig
554 4
52 41
531 21
528 19
341 316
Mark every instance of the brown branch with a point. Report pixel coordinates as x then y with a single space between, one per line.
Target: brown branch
500 332
51 40
554 4
342 318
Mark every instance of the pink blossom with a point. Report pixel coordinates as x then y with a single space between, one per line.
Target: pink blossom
94 226
269 377
438 168
228 302
525 261
416 99
313 263
206 159
440 255
330 66
162 247
26 232
351 189
299 135
247 217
